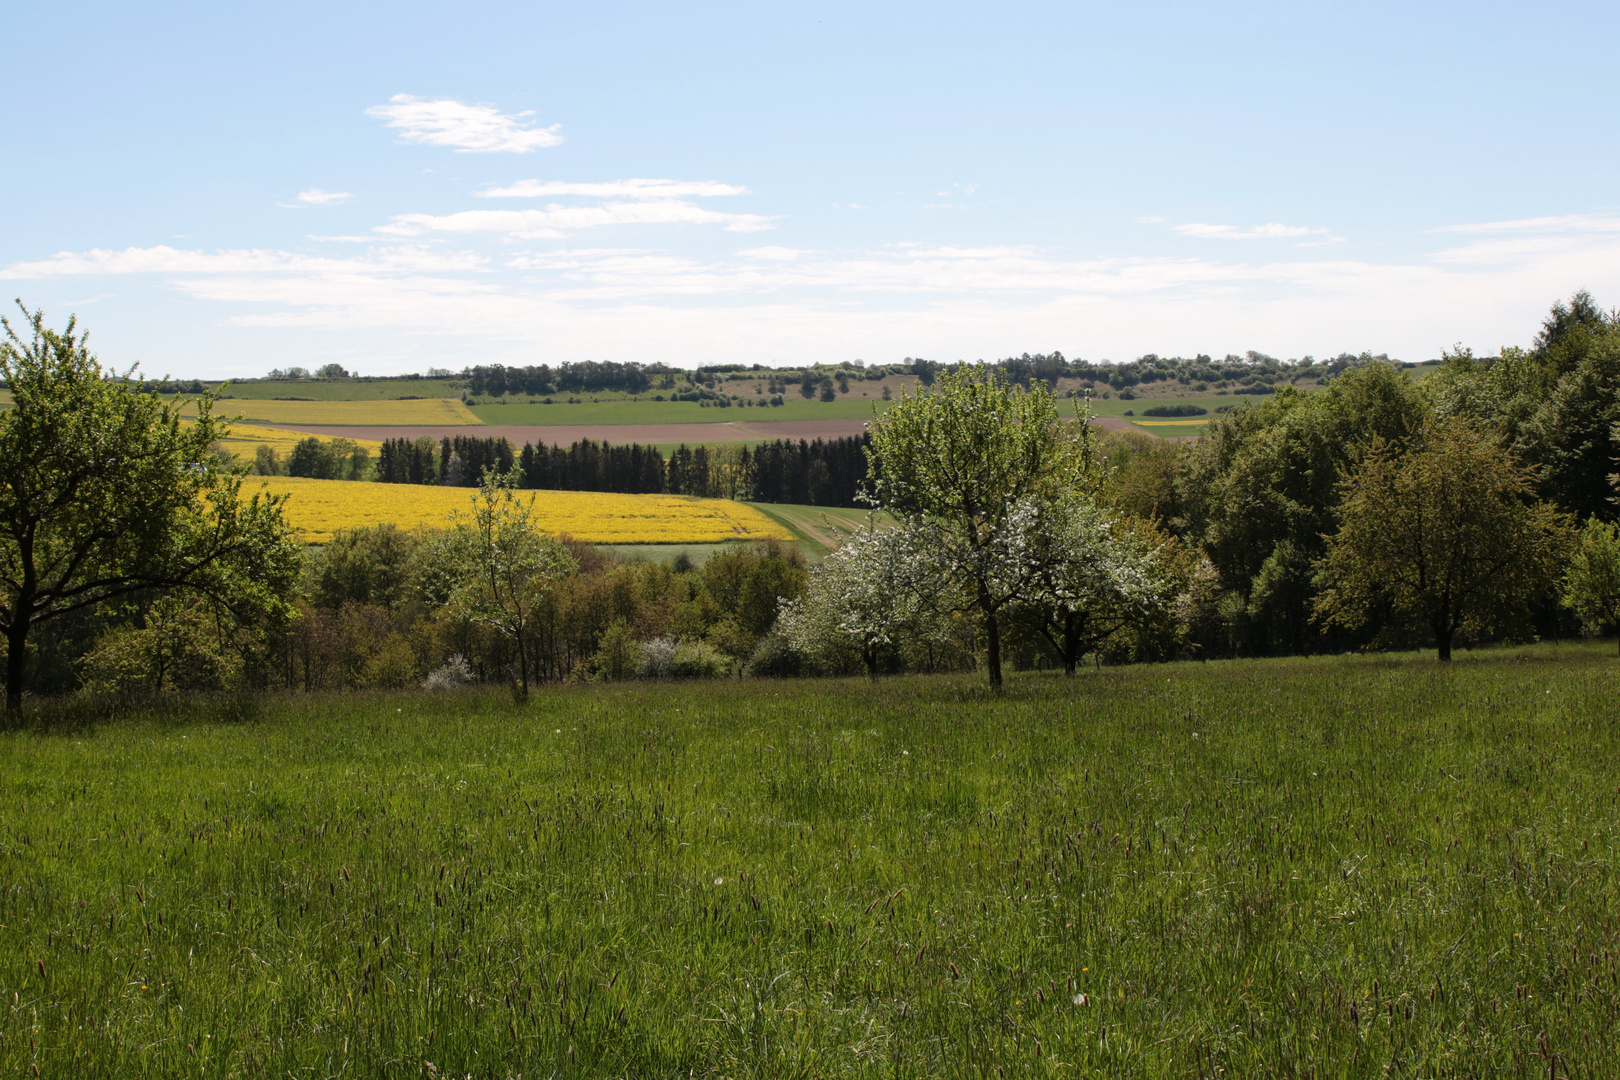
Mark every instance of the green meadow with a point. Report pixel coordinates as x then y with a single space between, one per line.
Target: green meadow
1328 867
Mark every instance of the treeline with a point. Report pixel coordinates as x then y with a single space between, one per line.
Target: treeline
819 472
588 376
1263 491
1251 371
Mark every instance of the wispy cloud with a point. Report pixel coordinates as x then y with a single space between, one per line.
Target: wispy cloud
793 305
1590 224
1269 231
467 128
615 189
163 259
317 197
557 221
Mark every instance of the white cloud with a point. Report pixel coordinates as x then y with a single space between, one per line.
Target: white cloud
615 189
555 221
1269 231
317 197
1593 224
793 305
167 260
468 128
774 254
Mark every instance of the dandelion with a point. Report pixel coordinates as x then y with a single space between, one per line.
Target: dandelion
719 881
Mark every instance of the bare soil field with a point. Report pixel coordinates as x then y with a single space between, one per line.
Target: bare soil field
566 434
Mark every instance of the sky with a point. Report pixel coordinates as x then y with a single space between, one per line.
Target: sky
215 190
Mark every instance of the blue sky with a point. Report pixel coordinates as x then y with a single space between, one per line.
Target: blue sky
220 189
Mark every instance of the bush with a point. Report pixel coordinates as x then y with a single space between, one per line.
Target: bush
775 658
657 658
618 657
699 660
1175 410
392 666
455 672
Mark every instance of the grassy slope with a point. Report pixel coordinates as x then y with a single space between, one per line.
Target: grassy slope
818 529
1326 867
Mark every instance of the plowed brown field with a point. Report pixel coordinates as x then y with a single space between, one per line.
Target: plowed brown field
618 434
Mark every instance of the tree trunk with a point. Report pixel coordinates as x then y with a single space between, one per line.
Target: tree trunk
992 641
1443 633
16 665
1071 643
869 654
523 667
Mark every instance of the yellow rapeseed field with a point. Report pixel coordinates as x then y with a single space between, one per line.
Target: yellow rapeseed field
438 412
322 507
245 440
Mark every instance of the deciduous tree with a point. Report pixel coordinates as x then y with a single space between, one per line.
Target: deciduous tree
495 567
105 492
1448 533
1592 584
969 460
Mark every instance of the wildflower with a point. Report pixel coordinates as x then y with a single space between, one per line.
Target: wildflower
1081 999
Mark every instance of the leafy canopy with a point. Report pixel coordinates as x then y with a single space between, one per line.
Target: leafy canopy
969 462
105 492
1447 533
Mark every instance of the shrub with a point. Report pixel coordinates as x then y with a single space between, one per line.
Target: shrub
657 658
455 672
699 660
1175 410
775 658
393 665
618 657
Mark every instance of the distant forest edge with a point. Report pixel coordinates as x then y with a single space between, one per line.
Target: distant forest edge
819 380
819 472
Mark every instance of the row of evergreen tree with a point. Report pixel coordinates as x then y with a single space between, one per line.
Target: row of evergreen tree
820 472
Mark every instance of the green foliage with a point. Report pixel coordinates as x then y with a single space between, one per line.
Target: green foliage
1592 584
1445 532
325 459
1175 410
105 494
970 459
1261 490
173 646
374 565
618 656
1556 405
494 566
1339 867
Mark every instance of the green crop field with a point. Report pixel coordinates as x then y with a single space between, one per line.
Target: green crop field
1329 867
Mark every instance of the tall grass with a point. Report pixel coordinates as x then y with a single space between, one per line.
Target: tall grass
1326 867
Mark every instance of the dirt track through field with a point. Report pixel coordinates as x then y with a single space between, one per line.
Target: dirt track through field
566 434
